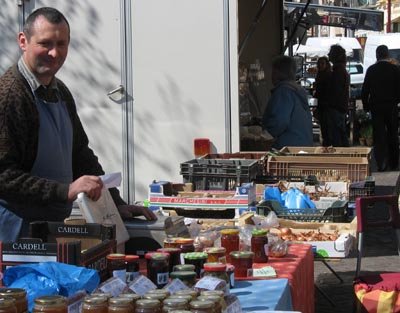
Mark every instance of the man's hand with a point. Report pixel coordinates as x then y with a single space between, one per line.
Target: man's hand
129 211
90 185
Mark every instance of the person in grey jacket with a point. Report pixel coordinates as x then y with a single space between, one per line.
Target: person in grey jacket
287 116
45 158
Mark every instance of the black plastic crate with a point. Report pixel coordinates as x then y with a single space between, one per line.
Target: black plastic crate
362 189
336 213
219 174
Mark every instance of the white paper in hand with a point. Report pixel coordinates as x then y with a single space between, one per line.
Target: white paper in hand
103 211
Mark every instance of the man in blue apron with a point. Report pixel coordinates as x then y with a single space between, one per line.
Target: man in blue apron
45 159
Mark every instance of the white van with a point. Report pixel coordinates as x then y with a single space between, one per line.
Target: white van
391 40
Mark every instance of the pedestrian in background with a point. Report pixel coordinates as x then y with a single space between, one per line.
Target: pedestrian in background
338 99
380 95
322 82
287 116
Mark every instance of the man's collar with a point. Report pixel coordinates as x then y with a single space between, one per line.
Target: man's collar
31 78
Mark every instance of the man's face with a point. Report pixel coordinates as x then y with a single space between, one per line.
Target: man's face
47 48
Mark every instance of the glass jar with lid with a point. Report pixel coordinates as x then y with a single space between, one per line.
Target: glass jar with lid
242 261
205 306
188 278
174 256
148 306
158 269
185 244
197 259
132 267
215 254
19 295
170 304
217 270
50 304
230 241
191 292
259 245
7 305
116 265
93 304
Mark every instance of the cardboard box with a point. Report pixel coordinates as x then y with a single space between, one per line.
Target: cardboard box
83 245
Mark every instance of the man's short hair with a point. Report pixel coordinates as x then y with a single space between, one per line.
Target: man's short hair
50 14
284 67
382 52
337 54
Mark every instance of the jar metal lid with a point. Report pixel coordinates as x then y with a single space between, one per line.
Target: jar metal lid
242 254
229 231
95 300
259 232
195 255
184 267
183 275
212 250
214 267
13 292
175 301
212 297
131 257
51 300
184 240
115 256
148 303
156 255
206 304
212 292
169 250
131 296
159 291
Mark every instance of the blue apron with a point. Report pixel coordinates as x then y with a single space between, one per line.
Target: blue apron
53 161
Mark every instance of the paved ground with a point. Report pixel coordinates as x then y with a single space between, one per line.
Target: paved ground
380 255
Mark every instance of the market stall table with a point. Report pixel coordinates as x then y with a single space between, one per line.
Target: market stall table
298 267
261 295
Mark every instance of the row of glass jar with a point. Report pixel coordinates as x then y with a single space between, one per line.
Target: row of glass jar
156 301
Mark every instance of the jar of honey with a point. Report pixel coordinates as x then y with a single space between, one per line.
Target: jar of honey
174 256
158 269
132 267
132 296
19 295
197 259
93 304
188 278
7 305
170 304
205 306
230 241
50 304
116 266
215 254
242 261
259 245
120 305
148 306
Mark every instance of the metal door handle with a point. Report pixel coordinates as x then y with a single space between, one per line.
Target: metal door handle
120 89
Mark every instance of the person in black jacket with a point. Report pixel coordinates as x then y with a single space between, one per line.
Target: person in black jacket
338 99
380 95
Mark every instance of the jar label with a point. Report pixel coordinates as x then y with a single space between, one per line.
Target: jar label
162 278
175 285
121 274
130 276
142 285
113 286
209 283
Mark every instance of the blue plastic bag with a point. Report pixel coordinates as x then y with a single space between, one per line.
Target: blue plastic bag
295 199
273 193
50 278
